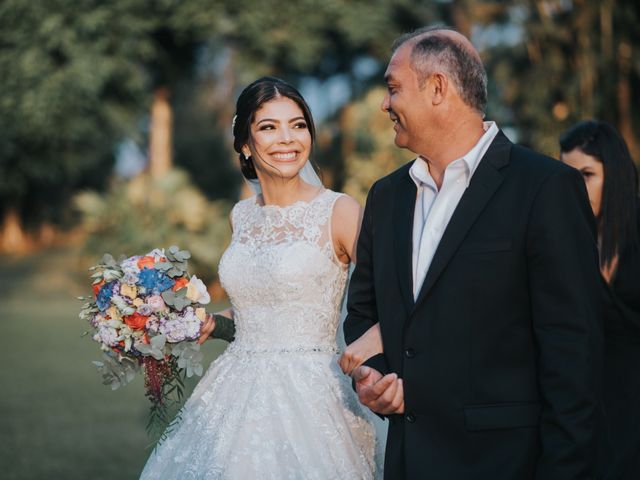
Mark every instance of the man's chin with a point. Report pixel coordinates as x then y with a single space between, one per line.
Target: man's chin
399 141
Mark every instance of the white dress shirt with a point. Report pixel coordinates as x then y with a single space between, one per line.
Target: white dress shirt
434 208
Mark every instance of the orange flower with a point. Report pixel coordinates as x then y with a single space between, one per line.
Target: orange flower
136 321
97 287
146 262
180 283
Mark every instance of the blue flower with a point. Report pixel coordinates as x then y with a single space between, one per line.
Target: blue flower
154 281
103 300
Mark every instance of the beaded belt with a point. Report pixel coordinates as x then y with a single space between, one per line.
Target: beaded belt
270 351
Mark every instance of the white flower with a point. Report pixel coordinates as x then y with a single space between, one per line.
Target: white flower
197 291
157 254
153 323
130 267
183 327
106 335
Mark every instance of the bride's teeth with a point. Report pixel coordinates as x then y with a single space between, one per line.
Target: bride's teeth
285 156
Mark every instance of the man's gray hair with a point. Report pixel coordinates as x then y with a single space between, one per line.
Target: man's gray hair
432 53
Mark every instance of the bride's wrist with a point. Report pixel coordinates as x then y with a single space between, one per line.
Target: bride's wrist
224 329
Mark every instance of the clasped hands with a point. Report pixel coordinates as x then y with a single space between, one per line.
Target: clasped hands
383 394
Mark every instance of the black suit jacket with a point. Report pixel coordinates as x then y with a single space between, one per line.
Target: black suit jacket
501 353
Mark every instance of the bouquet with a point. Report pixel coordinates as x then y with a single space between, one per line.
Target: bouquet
146 314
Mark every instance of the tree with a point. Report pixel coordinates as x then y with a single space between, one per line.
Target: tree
368 146
574 60
67 93
75 81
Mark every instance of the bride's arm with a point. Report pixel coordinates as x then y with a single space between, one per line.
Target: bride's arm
346 221
345 228
365 347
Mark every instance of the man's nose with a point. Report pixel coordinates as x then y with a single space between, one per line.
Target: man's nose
384 106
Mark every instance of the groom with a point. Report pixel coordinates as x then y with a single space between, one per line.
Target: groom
479 262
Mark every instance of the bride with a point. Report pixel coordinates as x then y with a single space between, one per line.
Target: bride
275 405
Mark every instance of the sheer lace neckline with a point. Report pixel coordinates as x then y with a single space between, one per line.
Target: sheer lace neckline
272 206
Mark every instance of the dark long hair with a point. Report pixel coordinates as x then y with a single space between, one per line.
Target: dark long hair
250 101
618 217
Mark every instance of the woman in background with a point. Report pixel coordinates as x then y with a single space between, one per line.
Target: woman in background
598 151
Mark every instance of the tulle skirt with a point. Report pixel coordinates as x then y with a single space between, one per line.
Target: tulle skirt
270 415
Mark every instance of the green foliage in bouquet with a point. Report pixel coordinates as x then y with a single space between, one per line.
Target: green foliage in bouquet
137 215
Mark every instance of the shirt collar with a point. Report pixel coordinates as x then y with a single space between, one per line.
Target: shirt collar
419 171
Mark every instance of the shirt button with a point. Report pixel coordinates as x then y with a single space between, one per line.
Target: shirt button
410 353
410 417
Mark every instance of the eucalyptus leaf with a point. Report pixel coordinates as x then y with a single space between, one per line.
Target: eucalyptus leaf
107 259
182 255
158 341
163 266
181 302
169 297
110 275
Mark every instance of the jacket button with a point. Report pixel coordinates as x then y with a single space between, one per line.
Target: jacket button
410 417
410 353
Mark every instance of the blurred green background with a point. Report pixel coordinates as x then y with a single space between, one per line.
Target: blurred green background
115 136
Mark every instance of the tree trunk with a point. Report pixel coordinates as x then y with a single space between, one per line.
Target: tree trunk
461 16
160 141
625 123
12 236
586 67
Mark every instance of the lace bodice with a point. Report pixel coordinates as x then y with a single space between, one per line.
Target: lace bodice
282 276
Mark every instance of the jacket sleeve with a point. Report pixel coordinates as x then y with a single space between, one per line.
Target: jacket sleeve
565 283
361 305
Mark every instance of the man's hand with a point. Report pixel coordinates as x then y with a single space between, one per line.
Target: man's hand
368 345
382 394
207 328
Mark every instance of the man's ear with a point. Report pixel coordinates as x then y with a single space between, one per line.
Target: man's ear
438 87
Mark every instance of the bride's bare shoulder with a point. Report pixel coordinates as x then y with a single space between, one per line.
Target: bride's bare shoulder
347 208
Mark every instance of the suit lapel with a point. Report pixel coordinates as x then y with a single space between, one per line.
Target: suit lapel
403 239
484 182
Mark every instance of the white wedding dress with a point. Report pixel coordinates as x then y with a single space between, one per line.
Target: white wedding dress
275 405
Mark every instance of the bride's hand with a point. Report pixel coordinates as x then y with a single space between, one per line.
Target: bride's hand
368 345
207 328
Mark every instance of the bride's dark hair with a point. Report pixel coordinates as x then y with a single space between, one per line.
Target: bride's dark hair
249 102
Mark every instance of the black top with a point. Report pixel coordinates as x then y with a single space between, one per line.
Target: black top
623 315
622 365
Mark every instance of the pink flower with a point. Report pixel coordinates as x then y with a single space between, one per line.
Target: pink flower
156 303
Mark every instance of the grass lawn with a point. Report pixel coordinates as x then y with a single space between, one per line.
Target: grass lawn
57 420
